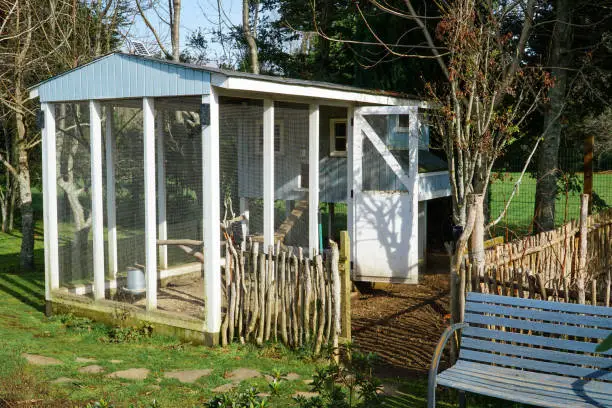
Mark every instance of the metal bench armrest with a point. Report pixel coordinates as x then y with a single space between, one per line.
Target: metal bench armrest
435 361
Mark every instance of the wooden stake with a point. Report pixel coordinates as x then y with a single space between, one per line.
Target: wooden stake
319 340
335 276
580 281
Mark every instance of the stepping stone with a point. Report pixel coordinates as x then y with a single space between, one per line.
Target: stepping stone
292 377
241 374
131 374
188 376
388 390
308 381
269 378
306 394
91 369
224 388
263 395
85 360
41 360
115 361
63 380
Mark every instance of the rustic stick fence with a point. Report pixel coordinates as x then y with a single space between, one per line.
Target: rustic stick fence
285 296
570 264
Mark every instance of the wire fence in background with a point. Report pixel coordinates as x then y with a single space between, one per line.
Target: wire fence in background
519 217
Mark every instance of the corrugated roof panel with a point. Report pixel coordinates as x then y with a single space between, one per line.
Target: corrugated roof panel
123 76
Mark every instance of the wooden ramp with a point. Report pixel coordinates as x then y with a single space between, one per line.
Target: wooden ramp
300 208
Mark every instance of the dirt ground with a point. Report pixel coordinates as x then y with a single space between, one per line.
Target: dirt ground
402 323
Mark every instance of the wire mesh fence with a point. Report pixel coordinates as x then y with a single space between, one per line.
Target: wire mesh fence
570 173
74 199
182 165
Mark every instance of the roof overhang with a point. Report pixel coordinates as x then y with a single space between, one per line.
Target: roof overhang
253 86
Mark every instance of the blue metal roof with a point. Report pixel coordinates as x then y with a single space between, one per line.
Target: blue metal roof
124 76
118 75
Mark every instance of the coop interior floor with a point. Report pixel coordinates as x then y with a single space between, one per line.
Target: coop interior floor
183 295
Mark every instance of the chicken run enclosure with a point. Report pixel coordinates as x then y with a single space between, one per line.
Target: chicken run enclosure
154 172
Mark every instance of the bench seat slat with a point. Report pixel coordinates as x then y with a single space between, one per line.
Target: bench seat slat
533 314
529 377
540 304
521 390
533 365
537 353
561 344
564 393
587 332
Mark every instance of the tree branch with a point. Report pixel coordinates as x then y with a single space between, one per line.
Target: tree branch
153 31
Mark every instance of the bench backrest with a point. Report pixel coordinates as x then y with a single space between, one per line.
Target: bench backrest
535 335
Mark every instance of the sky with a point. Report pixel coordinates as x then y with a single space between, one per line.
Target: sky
194 14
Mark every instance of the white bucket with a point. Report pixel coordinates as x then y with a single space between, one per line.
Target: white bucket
135 280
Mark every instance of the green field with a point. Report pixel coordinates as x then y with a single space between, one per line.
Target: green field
519 218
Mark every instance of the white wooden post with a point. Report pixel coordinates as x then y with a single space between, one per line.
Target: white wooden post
111 208
356 144
212 217
148 114
244 210
97 211
413 188
162 225
313 178
268 173
350 202
50 200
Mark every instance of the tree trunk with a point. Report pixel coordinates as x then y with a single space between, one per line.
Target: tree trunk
250 38
175 29
548 157
26 260
477 254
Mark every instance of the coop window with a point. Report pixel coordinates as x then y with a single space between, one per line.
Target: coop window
398 137
338 137
278 136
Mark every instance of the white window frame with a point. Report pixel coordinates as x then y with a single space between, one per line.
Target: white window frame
400 129
332 137
280 149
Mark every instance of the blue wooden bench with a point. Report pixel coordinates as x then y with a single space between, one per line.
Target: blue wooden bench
529 351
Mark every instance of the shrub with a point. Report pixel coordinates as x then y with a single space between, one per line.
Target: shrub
241 399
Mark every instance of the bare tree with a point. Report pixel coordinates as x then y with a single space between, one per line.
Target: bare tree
170 17
39 39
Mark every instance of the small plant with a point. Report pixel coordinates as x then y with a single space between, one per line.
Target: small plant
348 383
127 334
605 345
275 386
73 322
244 399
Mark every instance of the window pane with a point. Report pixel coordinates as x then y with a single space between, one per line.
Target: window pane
340 144
403 121
340 129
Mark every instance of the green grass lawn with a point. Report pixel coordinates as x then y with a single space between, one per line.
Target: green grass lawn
519 217
25 329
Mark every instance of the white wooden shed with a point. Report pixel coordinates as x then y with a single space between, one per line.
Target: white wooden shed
138 149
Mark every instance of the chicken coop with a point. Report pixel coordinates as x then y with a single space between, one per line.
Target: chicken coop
150 165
